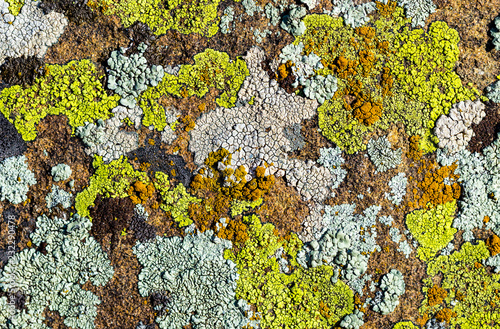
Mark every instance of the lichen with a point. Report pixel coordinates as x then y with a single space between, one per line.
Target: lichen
418 82
74 90
193 17
432 228
472 293
110 180
293 299
212 69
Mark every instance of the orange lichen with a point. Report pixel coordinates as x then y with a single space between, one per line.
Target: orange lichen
140 192
421 321
151 141
367 60
386 10
366 111
345 68
284 71
189 122
436 295
235 231
493 244
324 310
386 82
366 31
223 187
415 151
144 166
433 187
445 315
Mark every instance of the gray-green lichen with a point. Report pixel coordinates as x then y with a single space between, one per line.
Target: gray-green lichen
53 279
15 179
61 172
200 283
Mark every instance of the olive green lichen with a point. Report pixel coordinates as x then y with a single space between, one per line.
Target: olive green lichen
73 89
306 298
432 228
175 201
386 73
212 69
110 180
472 292
186 17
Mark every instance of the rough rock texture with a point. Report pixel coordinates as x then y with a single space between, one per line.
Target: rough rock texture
11 142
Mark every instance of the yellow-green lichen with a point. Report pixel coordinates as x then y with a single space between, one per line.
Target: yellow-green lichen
175 201
73 89
212 69
240 206
405 325
386 73
432 228
110 180
473 292
15 6
199 16
306 298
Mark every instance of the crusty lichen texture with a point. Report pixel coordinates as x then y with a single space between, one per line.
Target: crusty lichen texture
473 294
187 17
289 301
73 90
387 73
212 69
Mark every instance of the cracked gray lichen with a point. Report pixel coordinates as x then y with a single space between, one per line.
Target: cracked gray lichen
252 133
54 279
106 139
201 284
455 129
30 33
